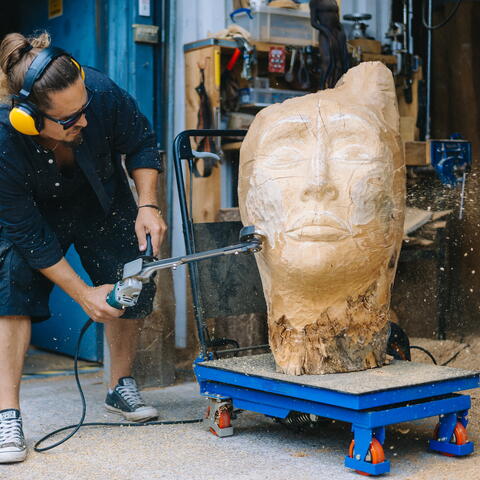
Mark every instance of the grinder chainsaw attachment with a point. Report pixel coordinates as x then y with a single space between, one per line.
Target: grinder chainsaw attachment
125 293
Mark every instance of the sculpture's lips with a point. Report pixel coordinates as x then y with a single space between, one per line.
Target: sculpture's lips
324 227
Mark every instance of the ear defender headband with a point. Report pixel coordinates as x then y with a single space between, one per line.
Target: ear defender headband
25 116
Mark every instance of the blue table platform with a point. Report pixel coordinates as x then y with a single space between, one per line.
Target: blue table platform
369 400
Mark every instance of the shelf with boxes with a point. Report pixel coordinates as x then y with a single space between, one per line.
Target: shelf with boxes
277 25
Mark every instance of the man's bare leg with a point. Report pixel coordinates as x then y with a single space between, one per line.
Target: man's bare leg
122 337
124 398
14 341
15 334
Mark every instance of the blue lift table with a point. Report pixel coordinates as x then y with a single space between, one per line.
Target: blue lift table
369 400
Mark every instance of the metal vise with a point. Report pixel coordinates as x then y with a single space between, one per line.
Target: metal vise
451 160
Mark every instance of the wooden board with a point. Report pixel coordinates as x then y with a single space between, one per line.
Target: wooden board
367 45
231 146
408 129
414 219
229 215
409 109
416 153
374 57
206 191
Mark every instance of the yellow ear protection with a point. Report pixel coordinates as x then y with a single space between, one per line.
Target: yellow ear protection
25 116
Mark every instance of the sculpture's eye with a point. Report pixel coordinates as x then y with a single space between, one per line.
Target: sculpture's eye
354 153
285 157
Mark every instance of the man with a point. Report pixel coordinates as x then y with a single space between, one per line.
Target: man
62 183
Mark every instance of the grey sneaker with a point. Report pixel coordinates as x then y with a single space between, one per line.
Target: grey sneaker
125 400
12 441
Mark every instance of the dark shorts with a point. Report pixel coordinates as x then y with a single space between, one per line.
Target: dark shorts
104 244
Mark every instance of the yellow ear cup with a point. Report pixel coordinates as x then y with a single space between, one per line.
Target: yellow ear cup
82 73
23 121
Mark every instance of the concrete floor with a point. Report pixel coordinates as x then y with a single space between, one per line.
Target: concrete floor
260 448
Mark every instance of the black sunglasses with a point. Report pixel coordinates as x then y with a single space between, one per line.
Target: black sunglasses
71 121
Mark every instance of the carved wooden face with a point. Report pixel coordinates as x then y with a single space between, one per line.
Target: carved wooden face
322 177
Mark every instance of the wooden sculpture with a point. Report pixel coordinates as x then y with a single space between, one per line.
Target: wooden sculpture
323 177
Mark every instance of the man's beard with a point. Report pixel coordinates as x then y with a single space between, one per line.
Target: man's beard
75 142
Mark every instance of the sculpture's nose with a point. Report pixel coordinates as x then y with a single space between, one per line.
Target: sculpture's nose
319 190
318 183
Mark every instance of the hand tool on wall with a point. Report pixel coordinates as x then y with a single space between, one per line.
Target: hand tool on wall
248 57
289 76
245 46
302 74
229 85
309 59
125 293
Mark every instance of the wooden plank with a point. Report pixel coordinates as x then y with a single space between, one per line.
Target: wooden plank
409 109
367 45
414 219
229 215
416 154
407 129
206 191
374 57
231 146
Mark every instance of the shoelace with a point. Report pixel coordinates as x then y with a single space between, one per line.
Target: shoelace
11 431
131 395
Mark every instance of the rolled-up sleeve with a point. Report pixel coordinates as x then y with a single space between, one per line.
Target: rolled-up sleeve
22 223
133 134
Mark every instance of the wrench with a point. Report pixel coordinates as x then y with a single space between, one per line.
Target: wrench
289 75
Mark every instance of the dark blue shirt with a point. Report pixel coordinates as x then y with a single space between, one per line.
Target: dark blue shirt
31 183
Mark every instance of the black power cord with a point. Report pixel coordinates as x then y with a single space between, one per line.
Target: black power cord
81 423
424 350
444 22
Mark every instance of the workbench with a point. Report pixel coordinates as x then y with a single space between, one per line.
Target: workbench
369 400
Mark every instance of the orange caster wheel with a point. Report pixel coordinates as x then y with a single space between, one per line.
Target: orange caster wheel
224 419
219 418
459 436
375 454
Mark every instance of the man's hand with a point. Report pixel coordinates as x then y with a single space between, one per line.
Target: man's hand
149 220
94 302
